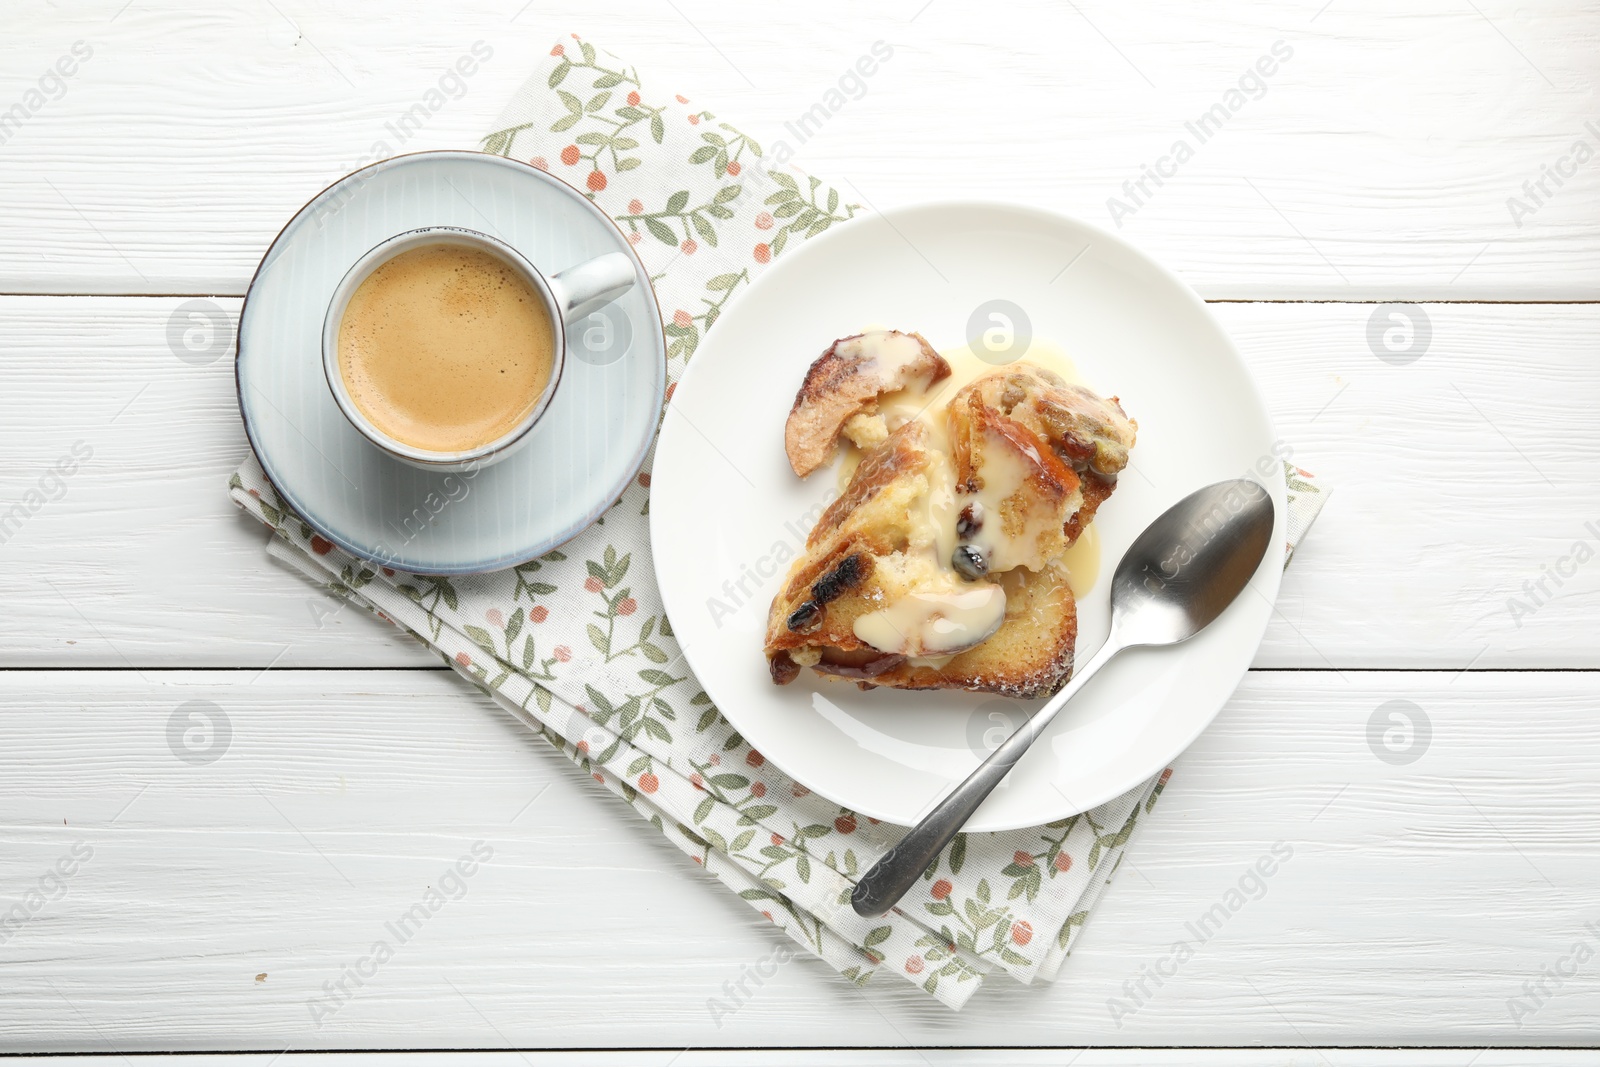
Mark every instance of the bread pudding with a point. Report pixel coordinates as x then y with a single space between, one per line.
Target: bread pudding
941 564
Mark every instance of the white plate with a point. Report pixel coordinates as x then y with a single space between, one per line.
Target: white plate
583 453
727 513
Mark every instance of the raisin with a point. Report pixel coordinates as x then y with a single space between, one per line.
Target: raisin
970 521
807 618
831 586
969 562
784 670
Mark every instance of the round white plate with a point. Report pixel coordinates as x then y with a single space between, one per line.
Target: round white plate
585 449
727 514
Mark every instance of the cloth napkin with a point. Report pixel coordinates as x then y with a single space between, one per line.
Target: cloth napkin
576 642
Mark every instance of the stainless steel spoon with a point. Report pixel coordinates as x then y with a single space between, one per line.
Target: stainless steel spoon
1175 579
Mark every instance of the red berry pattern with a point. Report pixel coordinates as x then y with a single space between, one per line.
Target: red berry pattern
646 710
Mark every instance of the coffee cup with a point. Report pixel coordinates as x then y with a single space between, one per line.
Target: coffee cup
444 346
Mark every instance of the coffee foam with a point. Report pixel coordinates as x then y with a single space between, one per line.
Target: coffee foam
445 347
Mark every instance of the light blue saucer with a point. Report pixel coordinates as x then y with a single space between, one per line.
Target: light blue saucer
584 451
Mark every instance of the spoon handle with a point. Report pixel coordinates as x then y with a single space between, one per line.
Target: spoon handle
900 867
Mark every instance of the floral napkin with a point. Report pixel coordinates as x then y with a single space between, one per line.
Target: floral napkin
576 643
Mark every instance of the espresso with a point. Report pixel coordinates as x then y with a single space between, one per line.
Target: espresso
446 348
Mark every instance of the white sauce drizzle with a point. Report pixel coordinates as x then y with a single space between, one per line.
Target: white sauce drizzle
942 614
934 623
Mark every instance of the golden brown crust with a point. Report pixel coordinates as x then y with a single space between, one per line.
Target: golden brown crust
903 452
1088 433
1095 493
1033 518
865 523
846 380
1051 449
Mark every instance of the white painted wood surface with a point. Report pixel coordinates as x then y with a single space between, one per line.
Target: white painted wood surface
875 1057
1417 902
1475 462
1073 1057
1378 162
1377 166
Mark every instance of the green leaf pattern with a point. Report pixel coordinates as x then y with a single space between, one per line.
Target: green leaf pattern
577 644
711 213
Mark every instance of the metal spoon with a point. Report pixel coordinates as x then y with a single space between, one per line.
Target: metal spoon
1175 579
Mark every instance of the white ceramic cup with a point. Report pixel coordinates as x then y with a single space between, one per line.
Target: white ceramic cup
568 296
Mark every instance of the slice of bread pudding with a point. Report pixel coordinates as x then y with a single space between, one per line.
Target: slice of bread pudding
940 565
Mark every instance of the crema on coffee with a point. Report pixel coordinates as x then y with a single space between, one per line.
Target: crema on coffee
446 348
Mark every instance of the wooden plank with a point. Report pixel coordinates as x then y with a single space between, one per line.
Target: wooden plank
1066 1057
1379 160
1455 479
141 558
1459 482
1417 901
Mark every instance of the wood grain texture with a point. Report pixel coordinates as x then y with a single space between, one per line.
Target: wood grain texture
1378 161
945 1057
1378 164
1416 902
142 559
1454 481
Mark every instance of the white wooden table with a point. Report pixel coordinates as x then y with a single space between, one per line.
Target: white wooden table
1376 167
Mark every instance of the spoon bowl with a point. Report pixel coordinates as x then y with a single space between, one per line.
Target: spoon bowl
1190 564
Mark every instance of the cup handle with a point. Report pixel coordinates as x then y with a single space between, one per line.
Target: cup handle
592 284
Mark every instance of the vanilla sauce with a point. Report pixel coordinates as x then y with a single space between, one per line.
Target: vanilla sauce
931 624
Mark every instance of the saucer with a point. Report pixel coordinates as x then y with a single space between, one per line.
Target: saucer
582 454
